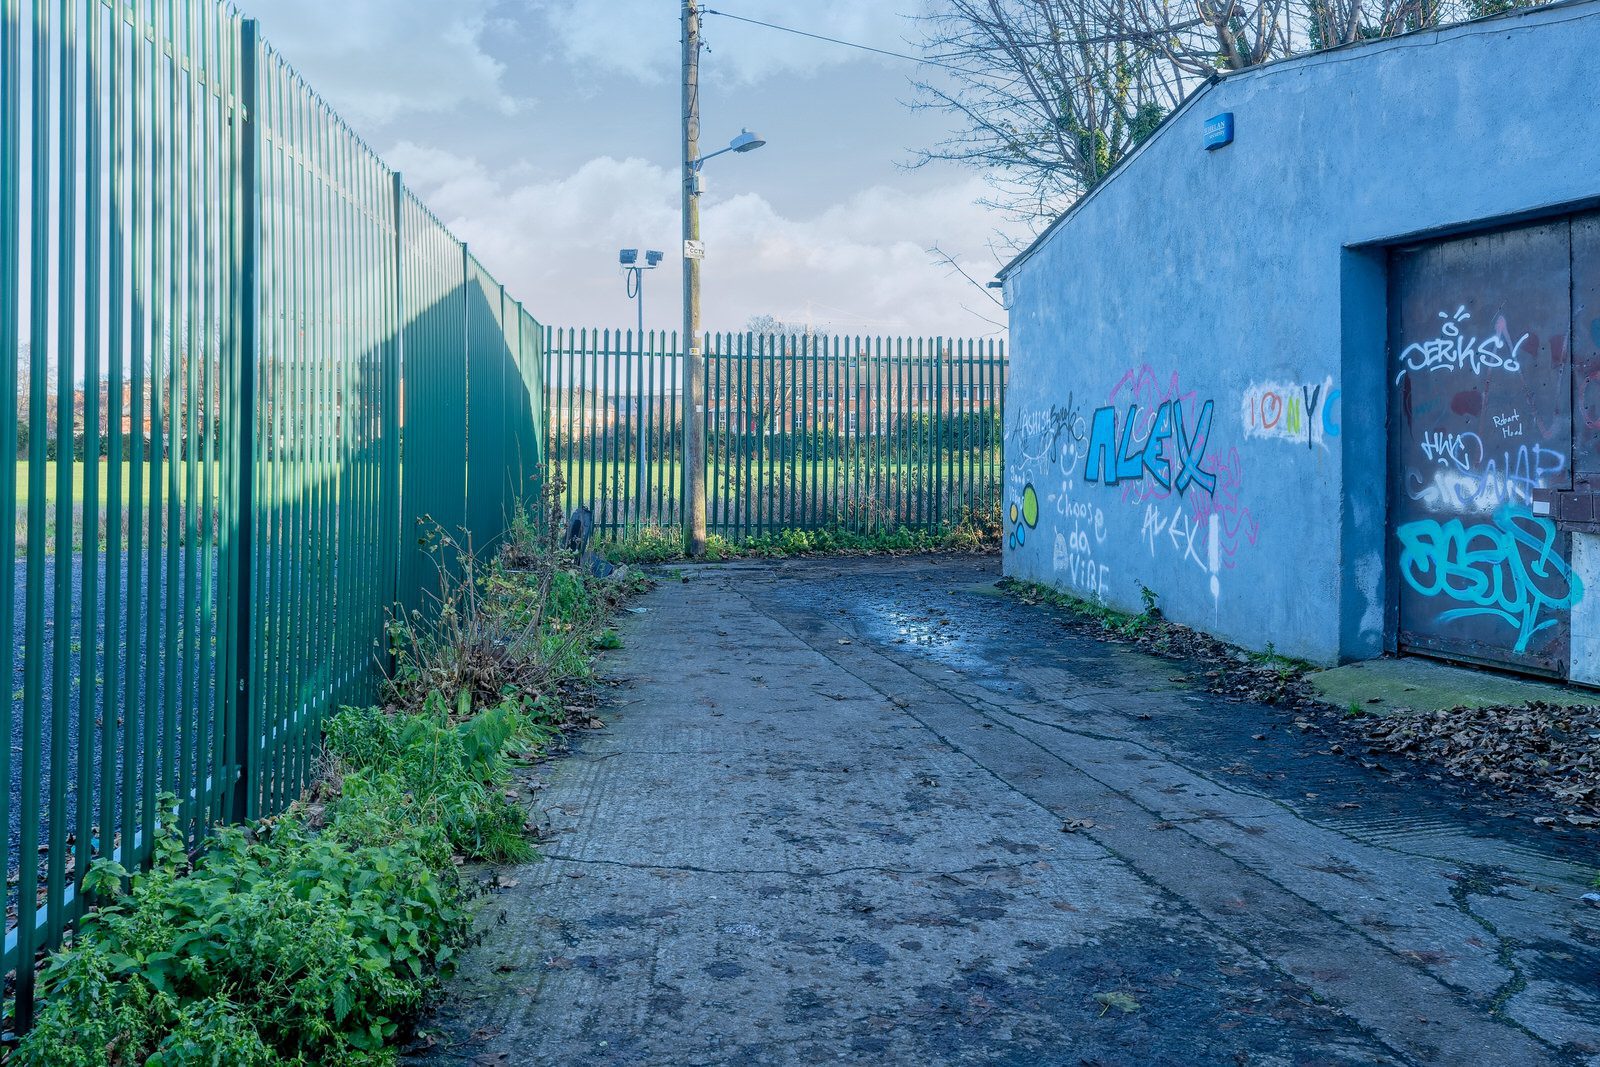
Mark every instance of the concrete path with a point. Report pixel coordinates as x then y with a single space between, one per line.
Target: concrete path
825 824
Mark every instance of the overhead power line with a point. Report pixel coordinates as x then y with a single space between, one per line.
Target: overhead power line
833 40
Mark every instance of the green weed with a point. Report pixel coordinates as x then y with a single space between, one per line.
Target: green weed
282 946
295 943
656 544
1285 666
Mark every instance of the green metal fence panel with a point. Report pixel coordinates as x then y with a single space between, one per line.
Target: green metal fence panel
803 431
323 377
526 411
486 383
118 157
222 322
11 355
433 460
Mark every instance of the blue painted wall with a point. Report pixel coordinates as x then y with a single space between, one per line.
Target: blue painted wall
1233 302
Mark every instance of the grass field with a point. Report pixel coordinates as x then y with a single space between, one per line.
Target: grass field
610 478
79 470
768 493
125 478
771 496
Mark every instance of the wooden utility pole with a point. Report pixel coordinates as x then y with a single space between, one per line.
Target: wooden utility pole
694 380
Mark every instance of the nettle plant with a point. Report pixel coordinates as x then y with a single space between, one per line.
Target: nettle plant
303 941
289 947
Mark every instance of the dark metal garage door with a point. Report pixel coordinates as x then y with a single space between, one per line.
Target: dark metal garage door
1481 439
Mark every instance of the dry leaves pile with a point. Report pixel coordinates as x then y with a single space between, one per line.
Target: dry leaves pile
1538 750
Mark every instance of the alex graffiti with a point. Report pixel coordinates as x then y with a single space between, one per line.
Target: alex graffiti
1509 568
1292 412
1024 516
1452 350
1182 531
1167 451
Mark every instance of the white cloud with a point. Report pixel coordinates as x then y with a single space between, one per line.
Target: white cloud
642 38
861 265
378 60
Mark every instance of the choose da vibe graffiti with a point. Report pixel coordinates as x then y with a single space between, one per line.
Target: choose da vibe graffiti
1509 567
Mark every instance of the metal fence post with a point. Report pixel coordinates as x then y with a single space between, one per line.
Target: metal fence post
392 423
242 752
467 494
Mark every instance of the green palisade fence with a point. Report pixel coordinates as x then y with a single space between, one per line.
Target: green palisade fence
247 378
803 431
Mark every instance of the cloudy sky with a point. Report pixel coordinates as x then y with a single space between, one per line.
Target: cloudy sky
546 134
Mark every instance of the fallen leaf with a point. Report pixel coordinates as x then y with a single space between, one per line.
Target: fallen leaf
1121 1001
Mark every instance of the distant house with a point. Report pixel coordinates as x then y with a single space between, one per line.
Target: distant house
867 394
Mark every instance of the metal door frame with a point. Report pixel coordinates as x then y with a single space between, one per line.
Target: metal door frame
1389 246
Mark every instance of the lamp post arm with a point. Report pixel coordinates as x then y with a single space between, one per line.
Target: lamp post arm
696 164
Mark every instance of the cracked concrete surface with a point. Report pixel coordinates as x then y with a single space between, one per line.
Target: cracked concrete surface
825 823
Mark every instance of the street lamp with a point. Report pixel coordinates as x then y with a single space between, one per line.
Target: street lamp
694 381
744 142
633 272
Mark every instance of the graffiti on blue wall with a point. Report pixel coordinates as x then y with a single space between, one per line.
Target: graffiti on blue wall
1454 351
1167 451
1024 516
1510 568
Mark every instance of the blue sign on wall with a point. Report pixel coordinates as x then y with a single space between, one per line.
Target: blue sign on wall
1219 130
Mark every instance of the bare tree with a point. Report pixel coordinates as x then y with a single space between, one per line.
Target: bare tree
1051 94
1199 38
759 379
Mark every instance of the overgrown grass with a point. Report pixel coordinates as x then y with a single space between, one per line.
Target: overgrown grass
318 936
660 544
519 624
